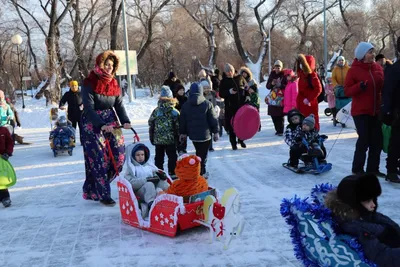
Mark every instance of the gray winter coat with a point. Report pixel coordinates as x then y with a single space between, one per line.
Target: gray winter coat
198 118
378 235
136 173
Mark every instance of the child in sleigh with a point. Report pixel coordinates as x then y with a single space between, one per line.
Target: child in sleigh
146 179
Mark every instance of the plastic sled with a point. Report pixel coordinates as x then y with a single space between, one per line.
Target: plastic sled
314 234
8 177
246 122
168 214
344 117
314 151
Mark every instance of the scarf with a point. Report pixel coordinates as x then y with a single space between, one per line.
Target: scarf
102 82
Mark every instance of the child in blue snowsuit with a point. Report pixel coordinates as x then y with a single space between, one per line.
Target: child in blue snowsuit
63 135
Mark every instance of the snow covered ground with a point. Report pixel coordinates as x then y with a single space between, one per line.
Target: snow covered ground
49 224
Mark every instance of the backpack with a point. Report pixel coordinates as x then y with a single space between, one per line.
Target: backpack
321 96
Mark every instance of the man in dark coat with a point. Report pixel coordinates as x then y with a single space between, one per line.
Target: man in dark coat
232 89
173 83
75 107
391 116
198 120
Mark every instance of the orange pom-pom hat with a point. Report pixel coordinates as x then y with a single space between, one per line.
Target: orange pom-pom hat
189 182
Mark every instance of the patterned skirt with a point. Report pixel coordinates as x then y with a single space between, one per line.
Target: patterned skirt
99 167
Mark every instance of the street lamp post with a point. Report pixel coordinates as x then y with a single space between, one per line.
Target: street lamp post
308 44
269 52
128 72
194 67
17 40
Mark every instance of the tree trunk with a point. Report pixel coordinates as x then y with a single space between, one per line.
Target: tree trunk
115 15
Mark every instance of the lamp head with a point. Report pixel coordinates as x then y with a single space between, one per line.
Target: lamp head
16 39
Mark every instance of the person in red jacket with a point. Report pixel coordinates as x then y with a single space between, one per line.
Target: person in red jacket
6 150
309 87
364 83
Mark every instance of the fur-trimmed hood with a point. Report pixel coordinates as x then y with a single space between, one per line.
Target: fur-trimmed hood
101 59
307 63
248 71
339 208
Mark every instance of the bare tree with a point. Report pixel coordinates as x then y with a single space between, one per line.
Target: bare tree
232 12
29 40
86 28
52 38
387 16
146 13
114 20
301 13
206 16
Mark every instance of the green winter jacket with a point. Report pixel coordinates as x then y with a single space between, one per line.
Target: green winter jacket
6 114
255 100
164 124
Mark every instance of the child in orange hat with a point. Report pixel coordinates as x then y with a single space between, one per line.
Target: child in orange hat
189 182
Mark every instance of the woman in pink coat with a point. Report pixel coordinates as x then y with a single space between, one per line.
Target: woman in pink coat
291 91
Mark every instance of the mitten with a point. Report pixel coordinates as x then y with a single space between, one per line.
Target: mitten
161 175
324 137
182 138
363 85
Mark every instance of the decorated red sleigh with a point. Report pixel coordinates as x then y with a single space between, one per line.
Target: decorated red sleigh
167 214
170 213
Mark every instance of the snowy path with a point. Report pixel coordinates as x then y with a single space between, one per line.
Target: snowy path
49 224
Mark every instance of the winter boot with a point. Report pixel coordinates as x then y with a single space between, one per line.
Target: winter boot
242 144
108 202
379 174
145 210
393 178
6 202
19 139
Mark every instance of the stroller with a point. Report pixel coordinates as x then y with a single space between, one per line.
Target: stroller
62 137
341 101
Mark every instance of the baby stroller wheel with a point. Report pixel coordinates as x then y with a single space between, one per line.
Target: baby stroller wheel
328 112
70 152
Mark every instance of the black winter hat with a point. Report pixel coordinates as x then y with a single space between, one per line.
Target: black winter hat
171 75
379 56
354 189
293 113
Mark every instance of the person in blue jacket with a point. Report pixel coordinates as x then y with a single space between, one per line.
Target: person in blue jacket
354 205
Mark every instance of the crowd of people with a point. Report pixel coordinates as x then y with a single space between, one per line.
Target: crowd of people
205 111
